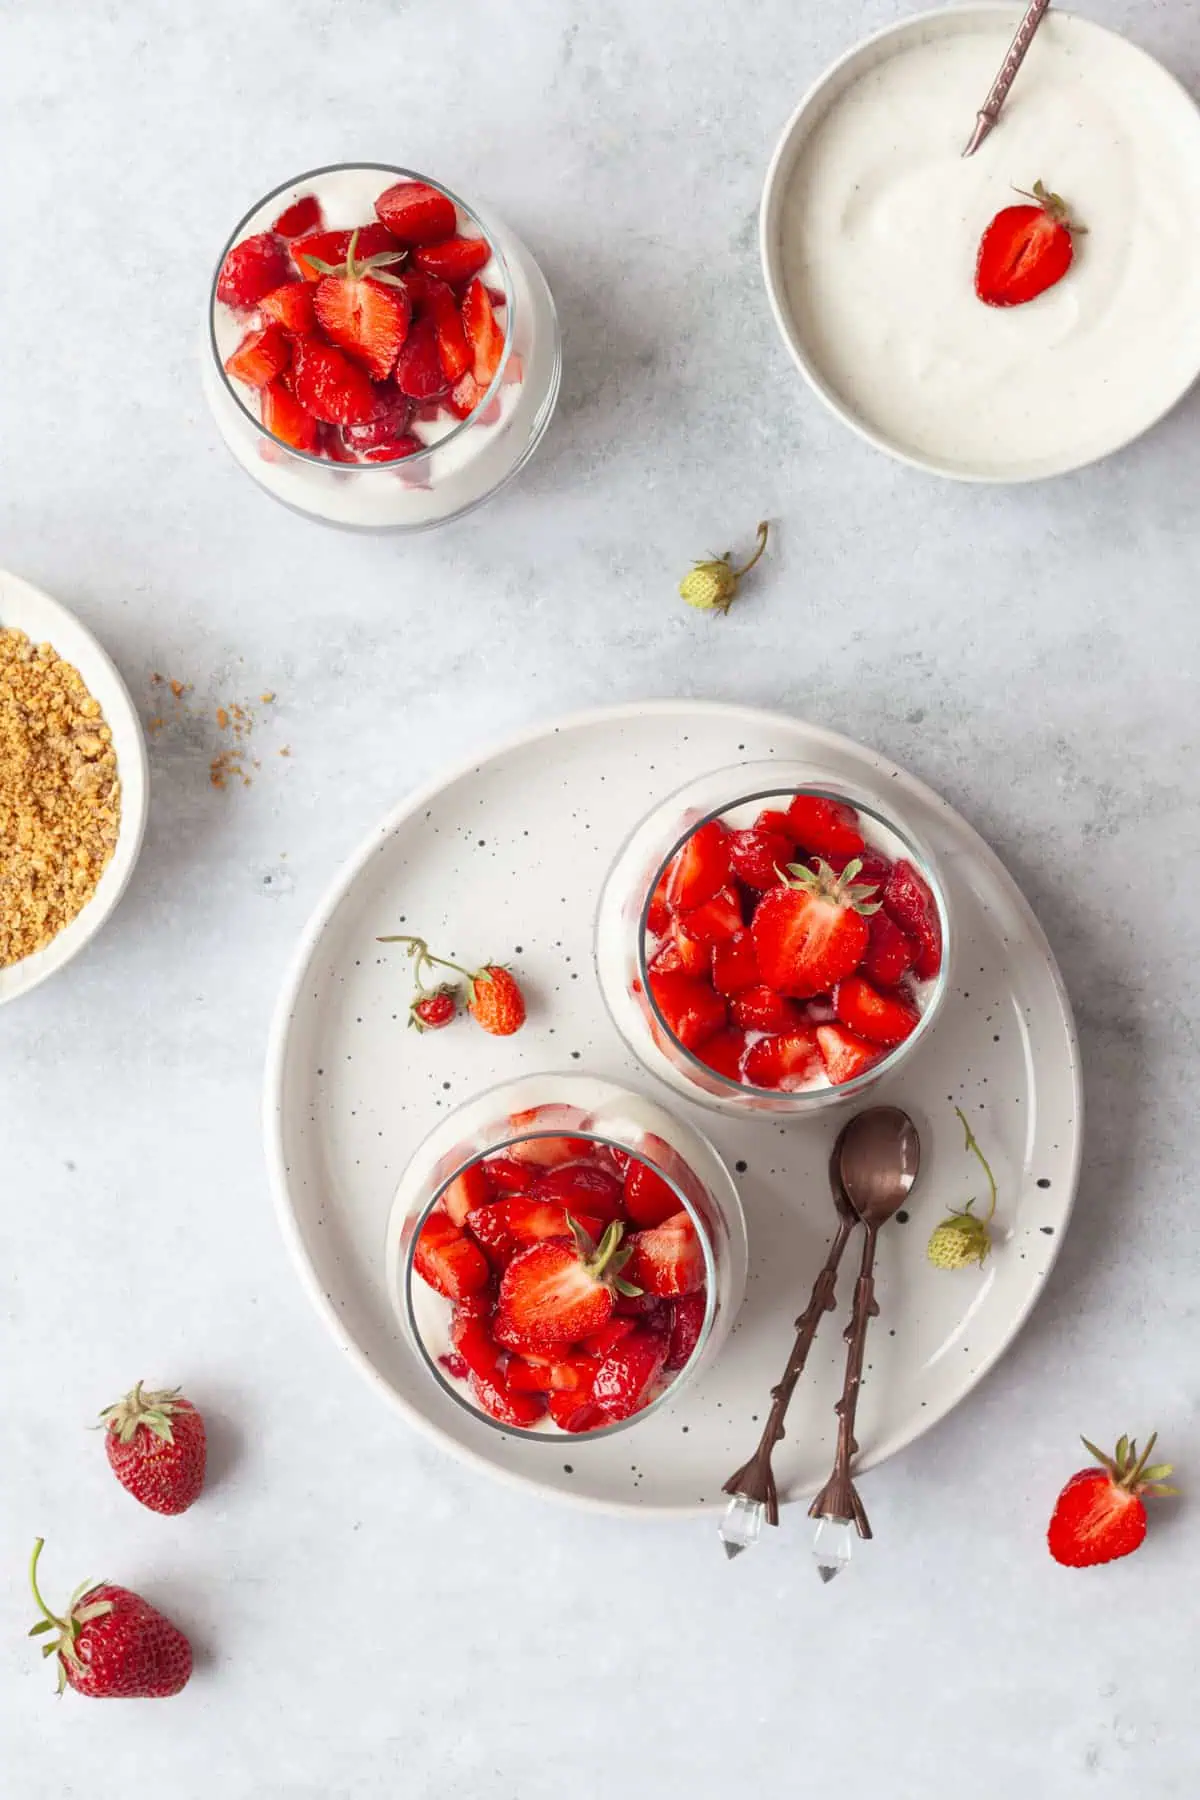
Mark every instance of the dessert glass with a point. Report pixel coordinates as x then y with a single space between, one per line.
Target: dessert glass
545 1107
622 942
458 471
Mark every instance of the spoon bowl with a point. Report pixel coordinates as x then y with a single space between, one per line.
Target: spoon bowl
875 1162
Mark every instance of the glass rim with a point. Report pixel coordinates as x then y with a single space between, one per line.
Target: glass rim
797 1098
528 1433
418 459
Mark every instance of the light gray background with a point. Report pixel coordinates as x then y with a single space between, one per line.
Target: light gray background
371 1618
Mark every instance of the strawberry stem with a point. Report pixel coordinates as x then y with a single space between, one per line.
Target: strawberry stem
760 547
37 1593
987 1168
423 957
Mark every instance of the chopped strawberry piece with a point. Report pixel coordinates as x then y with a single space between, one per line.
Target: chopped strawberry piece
844 1055
484 334
646 1307
251 269
880 1018
453 349
505 1404
787 1062
668 958
599 1343
910 903
292 307
473 1342
260 356
715 920
331 387
466 1191
416 213
454 1365
505 1175
725 1053
396 451
454 260
333 445
775 822
734 964
760 858
393 412
332 248
464 396
575 1412
367 318
419 372
626 1379
285 418
658 916
648 1198
762 1009
302 215
505 1226
581 1188
687 1322
547 1152
873 869
692 1010
824 826
448 1260
890 955
700 868
667 1259
692 954
544 1375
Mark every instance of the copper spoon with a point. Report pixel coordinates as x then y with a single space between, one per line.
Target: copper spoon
753 1485
879 1156
1014 56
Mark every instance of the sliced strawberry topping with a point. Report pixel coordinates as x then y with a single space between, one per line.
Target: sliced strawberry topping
683 951
890 955
581 1188
760 858
419 372
787 1062
484 333
301 216
464 396
626 1379
687 1322
812 933
700 868
505 1175
285 418
735 965
416 213
505 1404
260 356
575 1412
330 386
715 920
292 307
658 916
692 1010
448 1260
599 1343
845 1055
466 1191
555 1293
543 1375
396 451
505 1226
393 413
1025 250
648 1198
880 1018
908 900
251 269
454 260
364 311
320 251
667 1259
726 1053
825 827
762 1009
472 1339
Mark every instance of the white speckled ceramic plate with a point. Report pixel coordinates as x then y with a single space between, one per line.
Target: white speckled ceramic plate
503 859
27 609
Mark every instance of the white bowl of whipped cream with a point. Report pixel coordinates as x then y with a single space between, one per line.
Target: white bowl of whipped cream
871 221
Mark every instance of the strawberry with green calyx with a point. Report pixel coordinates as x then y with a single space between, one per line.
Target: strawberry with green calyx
494 997
964 1238
1026 249
811 931
111 1644
363 308
434 1007
1100 1514
712 585
156 1448
558 1292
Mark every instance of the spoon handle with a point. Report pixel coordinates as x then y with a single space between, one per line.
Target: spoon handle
839 1499
755 1478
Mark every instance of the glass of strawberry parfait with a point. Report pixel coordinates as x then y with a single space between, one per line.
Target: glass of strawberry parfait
566 1255
377 356
768 940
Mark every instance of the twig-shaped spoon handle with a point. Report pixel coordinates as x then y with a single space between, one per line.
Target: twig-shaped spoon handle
755 1478
839 1499
989 112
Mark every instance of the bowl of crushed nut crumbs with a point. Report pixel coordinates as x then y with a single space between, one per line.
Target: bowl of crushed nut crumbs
73 786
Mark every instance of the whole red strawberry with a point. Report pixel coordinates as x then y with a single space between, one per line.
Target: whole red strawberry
430 1011
1100 1514
496 1001
156 1448
112 1644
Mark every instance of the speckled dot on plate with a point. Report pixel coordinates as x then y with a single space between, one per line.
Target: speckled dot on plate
350 1092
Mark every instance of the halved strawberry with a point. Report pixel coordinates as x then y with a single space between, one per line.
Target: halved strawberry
700 868
715 919
687 1322
393 412
811 933
449 1260
628 1375
251 269
762 1009
735 965
466 1191
725 1052
292 307
330 248
787 1062
419 372
910 903
484 333
285 418
302 215
364 310
555 1293
667 1259
691 1009
575 1412
260 356
760 857
1025 249
845 1055
331 387
890 955
454 260
880 1018
506 1175
464 396
825 826
416 213
505 1404
648 1198
581 1188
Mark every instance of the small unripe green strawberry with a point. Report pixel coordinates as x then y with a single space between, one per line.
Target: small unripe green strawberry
712 585
959 1241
